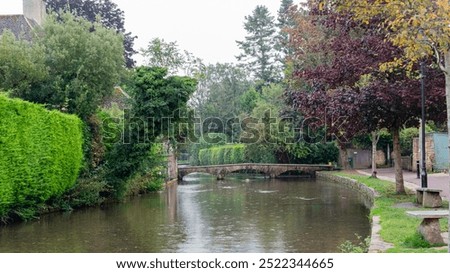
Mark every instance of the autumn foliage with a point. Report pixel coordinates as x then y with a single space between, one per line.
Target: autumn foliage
336 76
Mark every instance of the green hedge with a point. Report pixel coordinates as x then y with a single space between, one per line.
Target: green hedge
227 154
40 154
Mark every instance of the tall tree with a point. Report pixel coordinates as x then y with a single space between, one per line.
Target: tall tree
218 94
82 62
110 15
258 48
421 28
22 66
350 87
285 21
160 53
156 98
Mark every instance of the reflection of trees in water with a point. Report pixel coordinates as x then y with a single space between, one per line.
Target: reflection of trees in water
235 215
171 203
143 224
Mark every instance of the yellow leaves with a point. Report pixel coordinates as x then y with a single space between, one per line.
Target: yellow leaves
322 5
443 5
364 80
392 65
413 25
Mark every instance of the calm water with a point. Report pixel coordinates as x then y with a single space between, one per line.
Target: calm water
241 214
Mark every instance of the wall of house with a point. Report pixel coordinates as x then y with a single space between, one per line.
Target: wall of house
380 158
407 163
429 148
436 148
441 156
35 10
362 159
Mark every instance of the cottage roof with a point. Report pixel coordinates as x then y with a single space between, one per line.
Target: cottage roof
19 25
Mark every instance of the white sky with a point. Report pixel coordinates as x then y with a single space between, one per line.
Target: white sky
207 28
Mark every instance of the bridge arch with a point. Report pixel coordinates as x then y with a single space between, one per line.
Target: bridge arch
270 170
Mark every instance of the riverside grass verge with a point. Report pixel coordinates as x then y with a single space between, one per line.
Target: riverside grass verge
396 226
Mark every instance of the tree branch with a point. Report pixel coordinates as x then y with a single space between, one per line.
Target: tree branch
438 58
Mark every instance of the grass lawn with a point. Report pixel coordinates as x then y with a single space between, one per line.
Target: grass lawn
396 226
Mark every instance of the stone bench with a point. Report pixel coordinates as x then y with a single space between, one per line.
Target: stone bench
430 228
429 198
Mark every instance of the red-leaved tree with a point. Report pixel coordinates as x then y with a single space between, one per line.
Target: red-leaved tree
336 80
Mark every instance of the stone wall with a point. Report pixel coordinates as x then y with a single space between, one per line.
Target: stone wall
35 10
377 245
406 163
362 159
172 164
380 158
430 153
368 193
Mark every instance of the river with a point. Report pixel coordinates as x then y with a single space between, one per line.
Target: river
239 214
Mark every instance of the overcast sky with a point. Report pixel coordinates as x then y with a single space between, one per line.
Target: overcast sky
207 28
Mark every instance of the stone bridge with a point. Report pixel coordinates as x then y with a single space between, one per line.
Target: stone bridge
270 170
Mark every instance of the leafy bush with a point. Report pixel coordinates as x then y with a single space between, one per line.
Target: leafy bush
260 153
88 191
112 122
321 153
155 96
362 246
195 148
226 154
313 153
406 140
416 241
237 154
40 154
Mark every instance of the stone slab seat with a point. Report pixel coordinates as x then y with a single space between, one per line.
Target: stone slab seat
430 228
429 198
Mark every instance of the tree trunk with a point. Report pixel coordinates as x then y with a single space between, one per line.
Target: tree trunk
399 185
375 138
343 154
447 94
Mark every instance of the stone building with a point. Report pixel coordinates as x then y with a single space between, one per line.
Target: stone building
21 25
436 148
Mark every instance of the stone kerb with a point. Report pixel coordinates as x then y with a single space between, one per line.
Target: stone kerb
377 245
365 191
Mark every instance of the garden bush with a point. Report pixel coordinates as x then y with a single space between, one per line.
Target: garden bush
194 151
40 154
226 154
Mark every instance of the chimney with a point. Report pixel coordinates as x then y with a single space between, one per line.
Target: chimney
35 10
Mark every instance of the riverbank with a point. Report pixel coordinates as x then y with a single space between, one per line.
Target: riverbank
397 231
435 180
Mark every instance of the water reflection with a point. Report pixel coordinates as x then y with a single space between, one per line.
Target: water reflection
240 214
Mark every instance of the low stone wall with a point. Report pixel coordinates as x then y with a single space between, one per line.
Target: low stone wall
377 245
368 193
407 163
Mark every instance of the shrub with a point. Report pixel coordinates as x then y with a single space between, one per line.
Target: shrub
195 148
313 153
40 154
260 153
362 245
416 241
238 154
226 154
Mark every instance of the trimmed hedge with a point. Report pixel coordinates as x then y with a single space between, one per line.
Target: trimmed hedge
40 154
227 154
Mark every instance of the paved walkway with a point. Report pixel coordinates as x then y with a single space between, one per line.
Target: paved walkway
436 181
439 181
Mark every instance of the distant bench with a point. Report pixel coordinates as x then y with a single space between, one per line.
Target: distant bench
429 198
430 228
